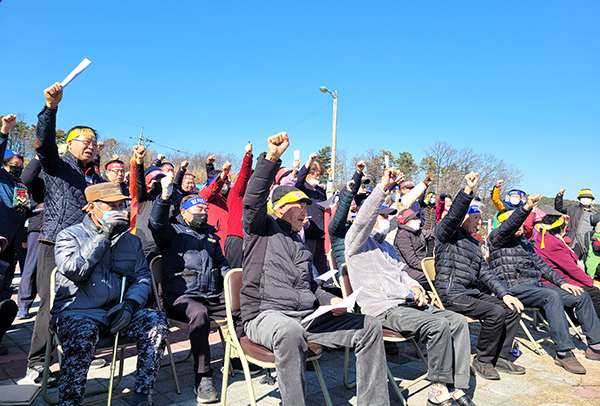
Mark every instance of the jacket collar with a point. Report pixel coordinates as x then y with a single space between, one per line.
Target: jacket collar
208 229
75 163
89 223
284 225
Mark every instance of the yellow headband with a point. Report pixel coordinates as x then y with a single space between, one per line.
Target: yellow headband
288 198
504 216
546 227
80 131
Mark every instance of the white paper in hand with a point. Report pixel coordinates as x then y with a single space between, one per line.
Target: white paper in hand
297 154
387 161
327 275
80 68
344 304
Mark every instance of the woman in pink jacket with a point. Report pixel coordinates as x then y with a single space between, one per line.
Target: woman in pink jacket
551 246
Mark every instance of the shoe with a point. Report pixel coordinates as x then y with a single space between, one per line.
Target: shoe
448 402
509 367
97 363
22 313
570 363
3 349
391 348
35 374
206 392
236 366
465 400
592 354
485 370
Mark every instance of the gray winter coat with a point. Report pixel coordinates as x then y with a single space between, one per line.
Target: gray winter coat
87 282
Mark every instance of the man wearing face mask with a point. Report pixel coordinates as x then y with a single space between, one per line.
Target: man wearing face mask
94 258
399 301
579 218
215 196
193 271
14 201
460 272
65 179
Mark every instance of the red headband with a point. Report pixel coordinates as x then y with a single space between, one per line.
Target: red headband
115 165
152 175
189 176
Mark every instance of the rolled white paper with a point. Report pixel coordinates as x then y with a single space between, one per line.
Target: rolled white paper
297 154
80 68
387 161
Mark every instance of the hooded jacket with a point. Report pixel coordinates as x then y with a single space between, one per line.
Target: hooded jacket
277 265
86 281
373 263
514 259
193 263
459 264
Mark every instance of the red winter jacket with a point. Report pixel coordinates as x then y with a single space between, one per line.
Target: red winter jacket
235 199
217 208
562 259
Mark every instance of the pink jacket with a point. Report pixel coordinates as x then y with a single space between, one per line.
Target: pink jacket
562 259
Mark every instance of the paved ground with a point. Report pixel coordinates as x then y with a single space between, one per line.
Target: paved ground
544 384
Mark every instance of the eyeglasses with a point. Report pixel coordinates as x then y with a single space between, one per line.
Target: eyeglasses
87 142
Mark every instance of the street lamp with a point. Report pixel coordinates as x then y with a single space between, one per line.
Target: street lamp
323 89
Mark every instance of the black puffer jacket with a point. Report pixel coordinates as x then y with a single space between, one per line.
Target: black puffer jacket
339 225
193 263
64 179
316 228
277 264
459 264
411 247
514 259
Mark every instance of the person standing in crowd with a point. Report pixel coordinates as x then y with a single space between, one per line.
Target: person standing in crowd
460 273
94 258
552 247
215 196
513 259
234 244
579 218
184 183
148 189
14 201
279 291
399 301
114 171
307 181
8 307
65 179
592 262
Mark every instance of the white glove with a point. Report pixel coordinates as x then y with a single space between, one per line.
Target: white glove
167 186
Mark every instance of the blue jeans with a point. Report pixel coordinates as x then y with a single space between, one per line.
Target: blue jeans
554 300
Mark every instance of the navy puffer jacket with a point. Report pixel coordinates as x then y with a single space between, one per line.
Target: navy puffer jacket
64 180
514 259
459 264
193 263
339 225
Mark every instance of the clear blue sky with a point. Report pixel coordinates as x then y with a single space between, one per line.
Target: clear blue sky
518 79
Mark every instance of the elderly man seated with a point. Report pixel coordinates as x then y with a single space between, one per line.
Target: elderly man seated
279 291
93 259
399 302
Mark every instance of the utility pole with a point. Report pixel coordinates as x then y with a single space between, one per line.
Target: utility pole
333 94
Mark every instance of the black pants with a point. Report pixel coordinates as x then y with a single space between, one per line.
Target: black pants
595 295
46 264
234 251
8 312
498 324
196 311
317 248
27 287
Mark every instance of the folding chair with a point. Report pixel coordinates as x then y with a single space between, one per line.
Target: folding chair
428 265
333 265
388 336
157 278
105 343
251 352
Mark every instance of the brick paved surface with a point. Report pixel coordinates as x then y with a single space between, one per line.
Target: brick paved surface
544 384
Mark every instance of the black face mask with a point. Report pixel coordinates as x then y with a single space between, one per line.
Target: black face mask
15 171
156 189
199 221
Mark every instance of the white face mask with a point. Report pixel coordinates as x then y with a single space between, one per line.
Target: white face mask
381 231
515 200
586 201
432 200
313 182
415 224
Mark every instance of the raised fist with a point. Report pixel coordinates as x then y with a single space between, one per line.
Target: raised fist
560 192
53 95
184 164
8 122
277 145
249 149
211 159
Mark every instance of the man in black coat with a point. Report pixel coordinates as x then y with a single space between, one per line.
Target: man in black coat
460 273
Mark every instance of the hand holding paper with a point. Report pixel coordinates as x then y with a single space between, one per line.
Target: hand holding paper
344 304
327 275
80 68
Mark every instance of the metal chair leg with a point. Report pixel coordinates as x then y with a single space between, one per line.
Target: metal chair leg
348 385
